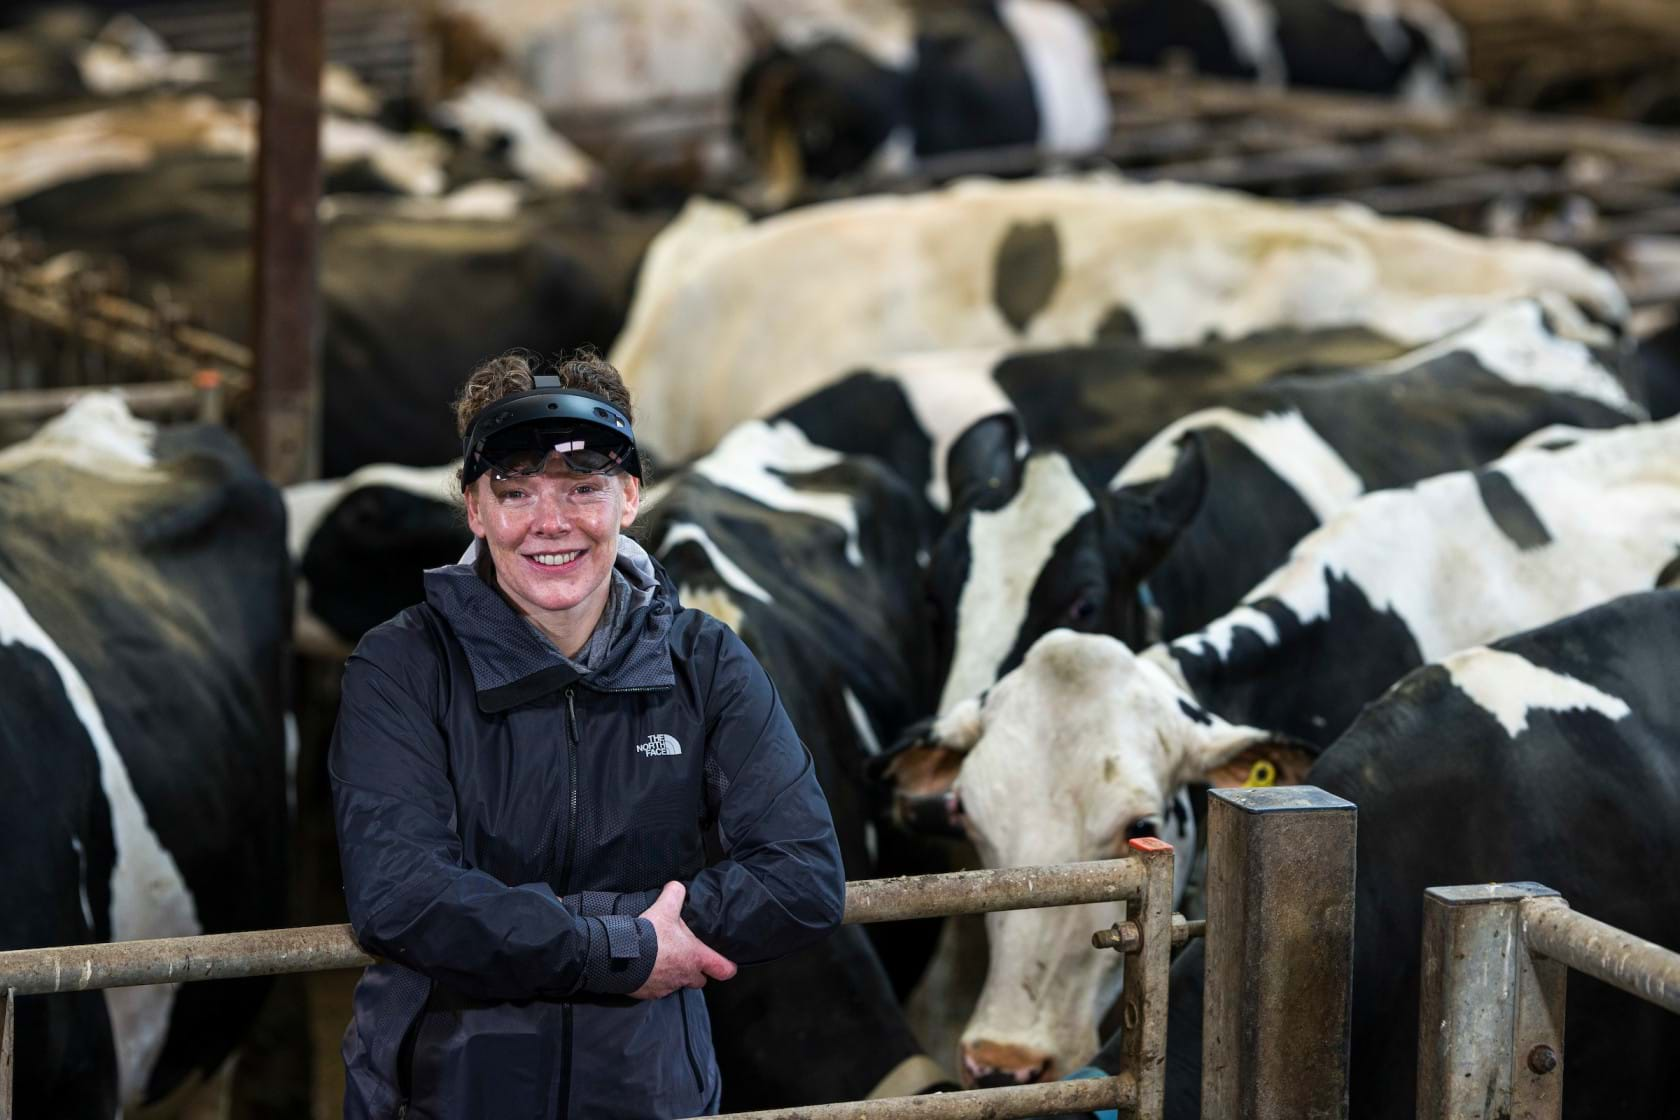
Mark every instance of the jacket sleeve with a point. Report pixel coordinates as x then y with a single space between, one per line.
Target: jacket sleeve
410 895
782 886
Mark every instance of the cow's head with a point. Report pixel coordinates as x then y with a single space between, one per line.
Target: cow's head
820 111
1081 748
1030 546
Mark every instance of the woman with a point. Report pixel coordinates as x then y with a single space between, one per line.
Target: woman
525 771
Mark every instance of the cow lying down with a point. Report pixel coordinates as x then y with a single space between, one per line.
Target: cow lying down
734 319
1553 757
1085 743
143 610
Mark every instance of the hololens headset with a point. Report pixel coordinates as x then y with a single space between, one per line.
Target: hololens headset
516 435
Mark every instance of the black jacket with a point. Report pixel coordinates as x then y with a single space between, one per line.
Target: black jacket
502 818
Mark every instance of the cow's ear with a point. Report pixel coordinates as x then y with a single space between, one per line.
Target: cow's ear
1174 500
982 467
1275 760
923 769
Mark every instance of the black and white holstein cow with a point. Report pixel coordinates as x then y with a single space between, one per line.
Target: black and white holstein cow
144 611
1080 747
1553 757
1214 500
1412 48
958 76
361 544
734 320
811 556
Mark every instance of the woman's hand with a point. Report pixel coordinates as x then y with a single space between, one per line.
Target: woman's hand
684 961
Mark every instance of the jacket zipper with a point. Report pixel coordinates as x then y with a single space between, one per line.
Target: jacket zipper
565 1101
688 1041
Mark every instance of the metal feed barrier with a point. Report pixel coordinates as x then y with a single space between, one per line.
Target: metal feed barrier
1280 886
1144 882
1490 1022
1279 966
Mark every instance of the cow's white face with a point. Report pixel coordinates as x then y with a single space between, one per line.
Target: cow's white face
1078 750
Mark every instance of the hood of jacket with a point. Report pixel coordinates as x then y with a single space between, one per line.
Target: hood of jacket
513 662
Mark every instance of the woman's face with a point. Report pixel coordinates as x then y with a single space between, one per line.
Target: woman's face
553 537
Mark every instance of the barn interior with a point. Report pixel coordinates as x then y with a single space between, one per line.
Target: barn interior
1090 413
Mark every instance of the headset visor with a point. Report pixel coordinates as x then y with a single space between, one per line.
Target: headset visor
583 448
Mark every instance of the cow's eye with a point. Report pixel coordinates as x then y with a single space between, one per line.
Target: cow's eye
1142 827
1082 610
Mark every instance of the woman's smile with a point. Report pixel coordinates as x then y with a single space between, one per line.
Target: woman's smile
552 562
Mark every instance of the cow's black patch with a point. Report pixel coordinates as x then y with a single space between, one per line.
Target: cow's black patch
1195 711
1026 272
1669 577
867 414
1511 511
1119 325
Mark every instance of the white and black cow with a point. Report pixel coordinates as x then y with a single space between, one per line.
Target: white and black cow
734 320
144 612
361 544
1410 48
812 557
1547 757
1215 499
963 75
1083 744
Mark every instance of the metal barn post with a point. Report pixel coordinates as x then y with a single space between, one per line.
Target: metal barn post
1143 997
1279 954
1490 1013
6 1048
285 406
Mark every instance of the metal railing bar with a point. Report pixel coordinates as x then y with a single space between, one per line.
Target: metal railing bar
1633 964
1004 888
170 960
228 956
1014 1102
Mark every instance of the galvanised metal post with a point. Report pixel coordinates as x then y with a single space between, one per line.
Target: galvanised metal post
6 1048
1143 996
1490 1012
1279 954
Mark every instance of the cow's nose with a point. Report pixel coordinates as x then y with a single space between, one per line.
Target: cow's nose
990 1065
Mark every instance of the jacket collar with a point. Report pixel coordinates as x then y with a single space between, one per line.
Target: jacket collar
512 662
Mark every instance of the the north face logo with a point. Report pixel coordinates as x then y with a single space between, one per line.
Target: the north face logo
659 744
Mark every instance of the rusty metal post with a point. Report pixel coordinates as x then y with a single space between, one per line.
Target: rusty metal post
285 409
1143 995
1639 967
1279 954
1490 1013
7 1045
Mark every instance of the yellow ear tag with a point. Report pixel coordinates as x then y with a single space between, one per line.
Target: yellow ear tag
1261 775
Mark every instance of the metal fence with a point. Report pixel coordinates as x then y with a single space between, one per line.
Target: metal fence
1491 1015
67 326
1144 882
1278 987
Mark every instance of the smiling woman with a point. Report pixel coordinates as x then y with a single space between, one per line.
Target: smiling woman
523 768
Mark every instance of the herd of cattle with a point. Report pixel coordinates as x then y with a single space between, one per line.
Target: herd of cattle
1046 505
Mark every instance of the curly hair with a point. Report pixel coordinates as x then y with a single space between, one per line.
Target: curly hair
513 372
